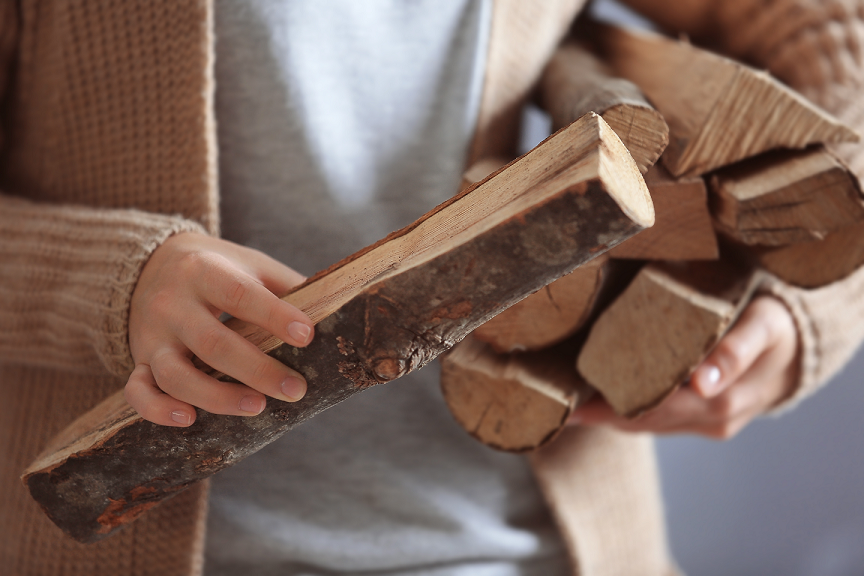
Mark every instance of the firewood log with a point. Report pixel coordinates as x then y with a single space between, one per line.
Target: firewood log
512 402
649 341
381 313
785 196
683 229
575 82
550 314
719 111
813 264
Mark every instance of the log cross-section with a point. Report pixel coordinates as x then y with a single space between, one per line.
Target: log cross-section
381 313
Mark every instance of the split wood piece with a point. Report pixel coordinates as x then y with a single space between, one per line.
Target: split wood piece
381 313
550 314
575 82
511 402
650 340
719 111
784 196
818 263
683 229
480 170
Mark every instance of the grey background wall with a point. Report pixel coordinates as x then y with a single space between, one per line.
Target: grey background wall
784 497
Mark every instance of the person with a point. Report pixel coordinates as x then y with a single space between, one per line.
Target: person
112 273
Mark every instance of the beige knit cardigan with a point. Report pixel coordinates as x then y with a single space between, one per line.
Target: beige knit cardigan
108 148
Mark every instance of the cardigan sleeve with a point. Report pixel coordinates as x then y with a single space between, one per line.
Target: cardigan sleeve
817 48
66 279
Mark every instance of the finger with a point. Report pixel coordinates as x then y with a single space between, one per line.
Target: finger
142 393
238 294
176 376
734 355
277 277
223 349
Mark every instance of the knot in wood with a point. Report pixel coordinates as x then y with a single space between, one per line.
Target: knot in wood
387 369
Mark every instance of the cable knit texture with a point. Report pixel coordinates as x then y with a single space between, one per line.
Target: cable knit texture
109 148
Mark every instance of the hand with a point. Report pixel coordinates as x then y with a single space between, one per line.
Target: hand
752 369
184 287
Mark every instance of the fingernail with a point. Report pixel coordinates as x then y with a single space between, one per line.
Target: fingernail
299 332
708 378
294 388
181 417
252 404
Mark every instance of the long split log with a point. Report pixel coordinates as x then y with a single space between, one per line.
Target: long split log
785 196
719 111
381 313
575 82
649 341
683 229
512 402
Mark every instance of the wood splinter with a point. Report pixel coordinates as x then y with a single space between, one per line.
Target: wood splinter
380 313
512 402
649 341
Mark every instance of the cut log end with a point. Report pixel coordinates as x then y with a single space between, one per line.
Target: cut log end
511 402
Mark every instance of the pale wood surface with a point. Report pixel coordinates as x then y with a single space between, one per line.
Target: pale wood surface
785 196
648 342
511 402
718 111
575 82
683 229
381 313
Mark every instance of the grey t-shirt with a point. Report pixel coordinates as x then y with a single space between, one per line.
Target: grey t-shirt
339 122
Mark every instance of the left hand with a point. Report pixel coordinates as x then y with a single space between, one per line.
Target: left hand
753 368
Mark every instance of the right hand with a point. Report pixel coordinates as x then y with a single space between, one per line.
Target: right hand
174 313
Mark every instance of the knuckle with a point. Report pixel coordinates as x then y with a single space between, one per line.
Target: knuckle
260 372
192 263
236 294
213 342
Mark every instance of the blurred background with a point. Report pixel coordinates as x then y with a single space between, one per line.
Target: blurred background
785 496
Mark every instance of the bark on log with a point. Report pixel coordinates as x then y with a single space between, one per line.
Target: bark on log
512 402
381 313
683 229
549 315
719 111
785 196
575 82
658 331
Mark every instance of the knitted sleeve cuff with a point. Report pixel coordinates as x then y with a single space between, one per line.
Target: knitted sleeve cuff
830 329
67 274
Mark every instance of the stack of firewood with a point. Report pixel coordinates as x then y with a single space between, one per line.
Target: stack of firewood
741 183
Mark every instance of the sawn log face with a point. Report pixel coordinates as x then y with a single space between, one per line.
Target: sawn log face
394 326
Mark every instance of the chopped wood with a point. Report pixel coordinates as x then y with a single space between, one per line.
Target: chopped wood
575 82
656 333
683 229
381 313
480 170
549 315
511 402
817 263
719 111
784 196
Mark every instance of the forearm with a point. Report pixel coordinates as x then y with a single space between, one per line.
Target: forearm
66 278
